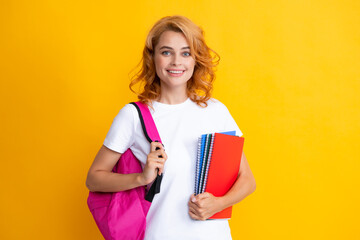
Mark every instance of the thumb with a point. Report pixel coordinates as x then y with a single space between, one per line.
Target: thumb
193 197
204 195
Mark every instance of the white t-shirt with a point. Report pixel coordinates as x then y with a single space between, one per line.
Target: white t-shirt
179 127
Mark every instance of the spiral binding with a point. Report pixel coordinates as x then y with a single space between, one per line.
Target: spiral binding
197 166
203 163
209 160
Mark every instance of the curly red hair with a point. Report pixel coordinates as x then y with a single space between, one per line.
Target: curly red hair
200 85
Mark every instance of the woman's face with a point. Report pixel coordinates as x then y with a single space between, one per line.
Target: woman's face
173 61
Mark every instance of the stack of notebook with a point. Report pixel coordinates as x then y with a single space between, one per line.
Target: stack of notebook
217 165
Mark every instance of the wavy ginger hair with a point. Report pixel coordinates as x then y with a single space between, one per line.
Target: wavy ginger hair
200 85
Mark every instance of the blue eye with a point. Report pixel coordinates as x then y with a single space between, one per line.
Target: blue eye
165 53
186 54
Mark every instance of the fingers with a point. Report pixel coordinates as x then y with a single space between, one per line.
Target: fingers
195 203
152 168
156 162
154 145
156 159
195 211
193 215
198 200
159 149
203 196
158 154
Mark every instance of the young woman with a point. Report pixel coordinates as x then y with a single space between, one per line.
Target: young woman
177 73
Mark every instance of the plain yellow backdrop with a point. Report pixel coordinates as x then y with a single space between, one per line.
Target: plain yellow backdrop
289 74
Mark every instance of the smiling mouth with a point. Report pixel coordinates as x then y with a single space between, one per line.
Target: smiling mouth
175 72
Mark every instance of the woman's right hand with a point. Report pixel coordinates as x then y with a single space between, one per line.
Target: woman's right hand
154 163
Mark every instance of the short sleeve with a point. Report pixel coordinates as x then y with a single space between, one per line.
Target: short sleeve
229 121
121 134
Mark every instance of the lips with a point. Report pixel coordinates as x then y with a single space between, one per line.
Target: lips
175 70
175 73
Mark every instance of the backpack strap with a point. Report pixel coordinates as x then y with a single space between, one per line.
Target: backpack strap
152 135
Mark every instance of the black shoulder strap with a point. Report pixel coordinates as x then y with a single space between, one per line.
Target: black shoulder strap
155 187
142 122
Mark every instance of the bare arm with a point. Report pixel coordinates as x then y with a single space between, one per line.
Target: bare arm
100 177
244 185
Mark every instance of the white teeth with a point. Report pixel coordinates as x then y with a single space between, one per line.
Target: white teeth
175 71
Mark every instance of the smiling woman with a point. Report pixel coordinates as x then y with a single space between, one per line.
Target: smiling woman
177 72
180 39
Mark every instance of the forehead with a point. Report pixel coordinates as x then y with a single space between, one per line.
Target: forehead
172 39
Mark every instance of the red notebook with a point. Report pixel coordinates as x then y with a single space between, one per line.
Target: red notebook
224 167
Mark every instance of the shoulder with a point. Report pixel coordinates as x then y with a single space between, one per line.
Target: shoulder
216 104
217 107
128 109
127 113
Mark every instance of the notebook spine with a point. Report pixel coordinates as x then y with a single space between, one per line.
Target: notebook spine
197 166
202 149
209 161
206 162
203 164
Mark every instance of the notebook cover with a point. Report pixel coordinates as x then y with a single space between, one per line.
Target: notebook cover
224 168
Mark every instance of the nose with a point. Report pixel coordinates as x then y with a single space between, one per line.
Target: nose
175 60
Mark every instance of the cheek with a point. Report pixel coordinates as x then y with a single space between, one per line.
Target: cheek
191 63
160 62
191 66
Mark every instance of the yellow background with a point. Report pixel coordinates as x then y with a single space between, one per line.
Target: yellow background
289 74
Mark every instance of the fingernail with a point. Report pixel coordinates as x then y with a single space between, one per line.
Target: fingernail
193 199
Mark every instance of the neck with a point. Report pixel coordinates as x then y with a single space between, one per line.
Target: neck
174 96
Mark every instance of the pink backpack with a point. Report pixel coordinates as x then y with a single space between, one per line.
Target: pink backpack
122 215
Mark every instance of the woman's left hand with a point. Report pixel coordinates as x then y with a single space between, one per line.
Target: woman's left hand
203 206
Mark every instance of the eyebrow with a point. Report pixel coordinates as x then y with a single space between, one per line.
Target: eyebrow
172 48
